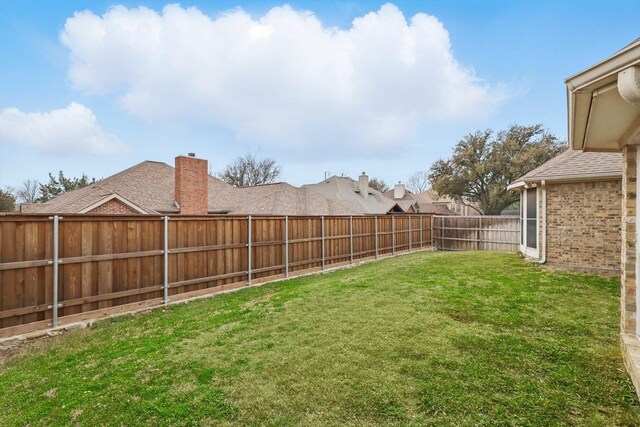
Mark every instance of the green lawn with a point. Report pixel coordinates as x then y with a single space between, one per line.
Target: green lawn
430 338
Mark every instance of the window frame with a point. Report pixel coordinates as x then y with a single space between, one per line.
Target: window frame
524 220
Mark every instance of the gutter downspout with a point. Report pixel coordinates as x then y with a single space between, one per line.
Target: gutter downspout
543 259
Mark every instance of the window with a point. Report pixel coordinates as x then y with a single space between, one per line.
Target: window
532 215
529 222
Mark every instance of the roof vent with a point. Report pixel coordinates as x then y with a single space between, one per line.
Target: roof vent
192 154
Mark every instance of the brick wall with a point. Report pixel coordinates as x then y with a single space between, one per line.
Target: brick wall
628 265
583 225
192 185
114 207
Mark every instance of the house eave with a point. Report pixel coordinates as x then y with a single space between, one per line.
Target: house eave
521 185
588 89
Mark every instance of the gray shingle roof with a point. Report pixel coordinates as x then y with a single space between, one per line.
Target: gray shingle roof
577 165
344 190
151 186
285 199
424 205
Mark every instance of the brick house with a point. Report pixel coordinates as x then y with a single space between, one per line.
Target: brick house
156 188
604 116
571 210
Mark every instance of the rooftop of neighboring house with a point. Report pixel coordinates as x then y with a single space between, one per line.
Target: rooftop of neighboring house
150 188
574 165
452 206
285 199
355 195
407 199
434 197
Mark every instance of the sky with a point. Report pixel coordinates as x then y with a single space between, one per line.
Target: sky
95 87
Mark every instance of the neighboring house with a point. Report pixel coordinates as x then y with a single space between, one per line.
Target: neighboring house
570 211
604 116
358 196
462 209
411 202
157 188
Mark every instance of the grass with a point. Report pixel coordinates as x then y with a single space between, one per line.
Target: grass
461 339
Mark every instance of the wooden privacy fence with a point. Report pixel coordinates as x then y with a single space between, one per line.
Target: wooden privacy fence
75 267
476 233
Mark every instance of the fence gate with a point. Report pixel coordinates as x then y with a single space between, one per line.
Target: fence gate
476 233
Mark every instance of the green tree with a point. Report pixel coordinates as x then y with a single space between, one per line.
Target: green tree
484 163
61 185
378 184
7 201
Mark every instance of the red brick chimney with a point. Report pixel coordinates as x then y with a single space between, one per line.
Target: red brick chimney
192 185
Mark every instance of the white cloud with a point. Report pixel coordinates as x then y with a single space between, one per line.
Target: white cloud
281 80
71 130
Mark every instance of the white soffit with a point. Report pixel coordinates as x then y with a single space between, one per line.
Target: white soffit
609 119
598 116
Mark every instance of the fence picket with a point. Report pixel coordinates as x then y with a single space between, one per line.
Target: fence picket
87 266
493 233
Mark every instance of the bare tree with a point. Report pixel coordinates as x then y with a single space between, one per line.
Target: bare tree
247 170
28 191
418 182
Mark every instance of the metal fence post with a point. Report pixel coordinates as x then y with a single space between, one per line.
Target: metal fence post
249 250
409 233
286 246
375 233
56 260
393 234
351 239
165 285
322 239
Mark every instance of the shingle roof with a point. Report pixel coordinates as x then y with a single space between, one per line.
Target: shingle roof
344 191
151 186
577 165
431 196
285 199
424 205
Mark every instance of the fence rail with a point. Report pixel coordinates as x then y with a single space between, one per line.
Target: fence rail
469 233
73 267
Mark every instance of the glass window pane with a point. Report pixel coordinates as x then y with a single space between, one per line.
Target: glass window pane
531 203
532 236
521 203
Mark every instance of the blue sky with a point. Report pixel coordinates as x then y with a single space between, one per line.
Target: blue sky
388 93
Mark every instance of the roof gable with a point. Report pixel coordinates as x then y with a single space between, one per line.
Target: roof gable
573 165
